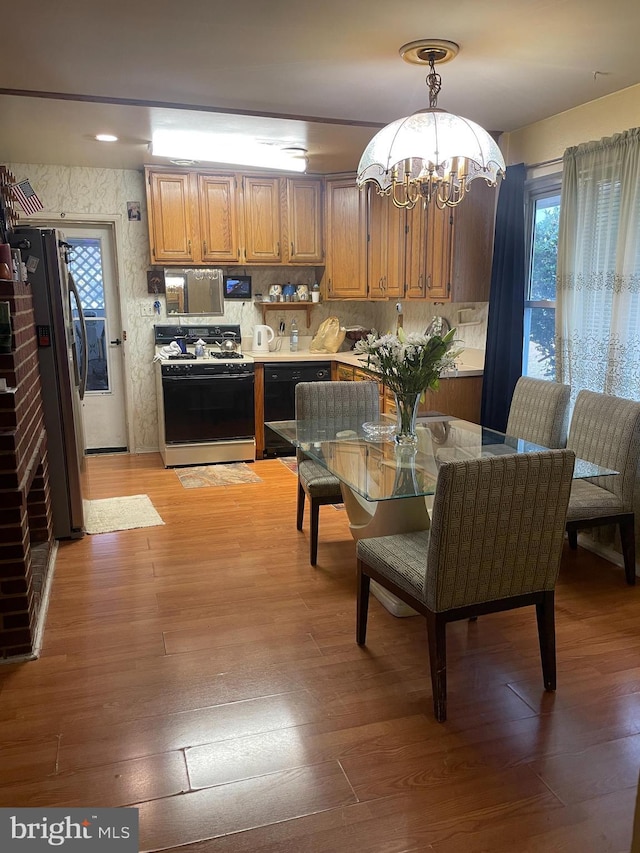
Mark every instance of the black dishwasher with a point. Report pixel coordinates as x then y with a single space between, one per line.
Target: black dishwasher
280 381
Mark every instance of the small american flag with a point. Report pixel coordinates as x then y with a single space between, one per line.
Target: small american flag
26 197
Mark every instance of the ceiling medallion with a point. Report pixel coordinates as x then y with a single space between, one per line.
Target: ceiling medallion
432 154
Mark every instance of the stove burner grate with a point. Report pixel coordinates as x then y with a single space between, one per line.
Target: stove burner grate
226 355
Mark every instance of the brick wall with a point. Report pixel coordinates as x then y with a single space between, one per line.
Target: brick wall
25 507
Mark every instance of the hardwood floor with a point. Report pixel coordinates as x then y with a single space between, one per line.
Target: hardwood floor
205 673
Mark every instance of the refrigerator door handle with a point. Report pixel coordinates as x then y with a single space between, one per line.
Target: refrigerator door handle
84 367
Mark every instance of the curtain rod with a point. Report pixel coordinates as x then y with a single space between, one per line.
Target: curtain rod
545 163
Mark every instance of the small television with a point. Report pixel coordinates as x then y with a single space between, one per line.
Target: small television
237 287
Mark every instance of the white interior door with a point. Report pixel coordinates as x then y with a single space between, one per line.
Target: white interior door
92 265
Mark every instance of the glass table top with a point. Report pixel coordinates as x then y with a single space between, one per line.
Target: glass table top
379 469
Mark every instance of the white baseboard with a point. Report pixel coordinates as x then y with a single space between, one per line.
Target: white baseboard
603 551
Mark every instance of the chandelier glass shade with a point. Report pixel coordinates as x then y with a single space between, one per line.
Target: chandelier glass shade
430 155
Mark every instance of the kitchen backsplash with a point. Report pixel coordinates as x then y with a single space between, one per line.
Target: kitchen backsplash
69 190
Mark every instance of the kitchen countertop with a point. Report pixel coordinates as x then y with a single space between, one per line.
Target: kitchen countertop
470 363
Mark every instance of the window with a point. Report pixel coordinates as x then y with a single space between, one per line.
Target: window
538 357
85 263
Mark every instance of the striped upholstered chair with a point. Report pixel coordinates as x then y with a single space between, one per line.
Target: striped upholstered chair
606 430
539 412
357 402
495 543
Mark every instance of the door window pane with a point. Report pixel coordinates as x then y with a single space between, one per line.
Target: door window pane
85 263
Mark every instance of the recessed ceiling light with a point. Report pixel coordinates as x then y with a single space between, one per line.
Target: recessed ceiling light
106 137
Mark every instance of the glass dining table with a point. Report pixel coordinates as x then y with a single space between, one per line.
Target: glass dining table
387 488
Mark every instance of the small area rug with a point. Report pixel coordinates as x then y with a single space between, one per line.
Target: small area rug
127 513
291 464
216 475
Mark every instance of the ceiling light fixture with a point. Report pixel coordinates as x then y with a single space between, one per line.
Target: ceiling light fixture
106 137
431 154
221 148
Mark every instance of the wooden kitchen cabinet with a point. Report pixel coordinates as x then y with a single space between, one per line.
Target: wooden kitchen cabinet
423 253
386 233
473 244
460 397
209 218
345 275
261 211
341 372
218 218
429 253
302 221
172 218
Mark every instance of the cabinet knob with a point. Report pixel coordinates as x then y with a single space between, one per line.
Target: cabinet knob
204 247
292 252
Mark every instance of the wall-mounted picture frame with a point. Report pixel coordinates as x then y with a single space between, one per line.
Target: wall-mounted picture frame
155 281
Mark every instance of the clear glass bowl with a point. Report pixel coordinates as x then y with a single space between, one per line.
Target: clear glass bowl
379 430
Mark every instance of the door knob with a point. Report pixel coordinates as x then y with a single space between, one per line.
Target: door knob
117 342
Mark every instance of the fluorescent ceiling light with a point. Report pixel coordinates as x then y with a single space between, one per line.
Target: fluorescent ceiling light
106 137
236 150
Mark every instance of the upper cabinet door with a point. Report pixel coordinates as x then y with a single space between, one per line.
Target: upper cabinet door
416 253
473 247
439 252
303 221
171 220
261 220
346 240
376 243
218 208
429 253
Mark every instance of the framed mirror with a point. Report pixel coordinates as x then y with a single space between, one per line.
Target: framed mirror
196 290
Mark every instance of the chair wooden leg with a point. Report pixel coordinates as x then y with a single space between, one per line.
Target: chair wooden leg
545 614
436 627
628 542
573 539
300 508
362 605
313 539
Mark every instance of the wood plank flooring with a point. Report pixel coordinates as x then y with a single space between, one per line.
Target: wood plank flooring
205 673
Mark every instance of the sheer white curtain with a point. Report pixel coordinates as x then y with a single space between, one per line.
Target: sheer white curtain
598 275
598 280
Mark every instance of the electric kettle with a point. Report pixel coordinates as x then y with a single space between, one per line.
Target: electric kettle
262 337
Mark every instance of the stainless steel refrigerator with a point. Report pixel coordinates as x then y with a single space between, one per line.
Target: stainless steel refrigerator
62 352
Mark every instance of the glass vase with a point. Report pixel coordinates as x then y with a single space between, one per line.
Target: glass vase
406 413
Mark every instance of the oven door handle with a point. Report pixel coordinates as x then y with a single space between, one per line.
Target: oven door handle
207 378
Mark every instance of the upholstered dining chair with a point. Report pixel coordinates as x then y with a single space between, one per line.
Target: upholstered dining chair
539 412
495 543
356 401
606 430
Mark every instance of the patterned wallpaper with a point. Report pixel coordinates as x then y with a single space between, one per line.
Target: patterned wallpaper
66 191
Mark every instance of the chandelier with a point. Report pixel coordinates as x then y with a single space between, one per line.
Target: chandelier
431 154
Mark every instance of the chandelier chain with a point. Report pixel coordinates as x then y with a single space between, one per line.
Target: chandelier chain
434 82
